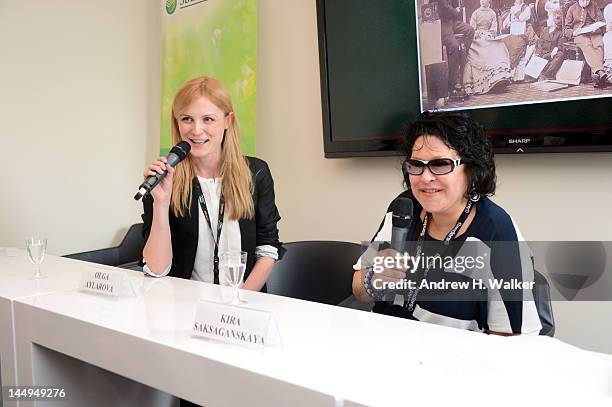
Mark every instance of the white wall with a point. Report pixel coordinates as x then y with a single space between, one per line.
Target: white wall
75 100
551 196
79 100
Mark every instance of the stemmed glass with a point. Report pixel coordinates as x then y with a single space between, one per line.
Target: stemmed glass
36 248
233 266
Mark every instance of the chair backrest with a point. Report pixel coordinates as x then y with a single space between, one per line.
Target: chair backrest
128 252
108 256
319 271
541 296
130 248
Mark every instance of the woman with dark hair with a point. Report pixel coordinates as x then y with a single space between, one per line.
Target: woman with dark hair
449 174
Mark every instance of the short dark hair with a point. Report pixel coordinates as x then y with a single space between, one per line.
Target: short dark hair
464 135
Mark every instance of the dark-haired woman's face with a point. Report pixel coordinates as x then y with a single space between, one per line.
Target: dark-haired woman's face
438 194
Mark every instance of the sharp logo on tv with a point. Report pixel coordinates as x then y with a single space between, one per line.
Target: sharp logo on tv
519 140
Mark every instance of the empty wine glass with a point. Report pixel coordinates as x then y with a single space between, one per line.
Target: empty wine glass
36 248
233 266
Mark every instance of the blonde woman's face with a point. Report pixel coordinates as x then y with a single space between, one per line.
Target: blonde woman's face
202 124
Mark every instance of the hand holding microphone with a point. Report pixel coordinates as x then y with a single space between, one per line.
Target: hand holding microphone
401 219
162 171
390 265
163 190
387 269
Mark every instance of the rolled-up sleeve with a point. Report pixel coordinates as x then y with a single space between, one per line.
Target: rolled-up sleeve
148 271
266 251
266 215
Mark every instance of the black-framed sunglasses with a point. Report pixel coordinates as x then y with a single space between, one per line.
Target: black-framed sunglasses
438 166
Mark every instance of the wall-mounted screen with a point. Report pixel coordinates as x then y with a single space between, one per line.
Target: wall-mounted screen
383 62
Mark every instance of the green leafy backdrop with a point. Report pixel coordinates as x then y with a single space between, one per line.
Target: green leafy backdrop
214 38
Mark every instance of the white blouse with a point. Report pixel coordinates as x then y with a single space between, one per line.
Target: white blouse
230 239
230 233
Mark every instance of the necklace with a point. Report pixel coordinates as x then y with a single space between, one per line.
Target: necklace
412 293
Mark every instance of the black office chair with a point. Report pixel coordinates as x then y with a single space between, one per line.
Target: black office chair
319 271
126 255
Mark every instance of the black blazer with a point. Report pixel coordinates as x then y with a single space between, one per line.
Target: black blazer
261 230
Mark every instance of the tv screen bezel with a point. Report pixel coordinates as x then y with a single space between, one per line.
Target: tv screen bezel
504 142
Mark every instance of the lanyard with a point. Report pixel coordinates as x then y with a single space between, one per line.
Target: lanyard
219 227
412 294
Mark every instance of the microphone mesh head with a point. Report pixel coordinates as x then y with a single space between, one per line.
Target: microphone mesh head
181 149
402 212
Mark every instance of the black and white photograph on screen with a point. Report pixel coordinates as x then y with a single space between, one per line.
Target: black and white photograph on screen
487 53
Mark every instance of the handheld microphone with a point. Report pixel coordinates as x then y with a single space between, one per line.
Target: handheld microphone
401 219
175 156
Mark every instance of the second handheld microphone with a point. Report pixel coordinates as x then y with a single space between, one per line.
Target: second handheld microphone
401 219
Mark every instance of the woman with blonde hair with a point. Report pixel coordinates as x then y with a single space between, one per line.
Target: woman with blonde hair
216 200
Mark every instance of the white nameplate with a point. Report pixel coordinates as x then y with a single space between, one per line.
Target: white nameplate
106 281
236 325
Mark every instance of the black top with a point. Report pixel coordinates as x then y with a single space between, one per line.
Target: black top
494 228
259 231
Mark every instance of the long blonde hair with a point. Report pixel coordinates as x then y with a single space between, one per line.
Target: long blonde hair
235 172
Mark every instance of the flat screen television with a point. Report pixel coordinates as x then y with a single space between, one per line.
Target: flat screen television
372 64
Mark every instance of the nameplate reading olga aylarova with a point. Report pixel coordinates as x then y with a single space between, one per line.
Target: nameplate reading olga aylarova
231 324
105 281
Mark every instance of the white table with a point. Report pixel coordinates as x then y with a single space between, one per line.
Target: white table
15 283
15 269
330 356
